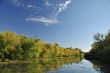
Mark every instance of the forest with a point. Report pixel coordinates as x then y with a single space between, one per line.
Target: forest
21 47
100 48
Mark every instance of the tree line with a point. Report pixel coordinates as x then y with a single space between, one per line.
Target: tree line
20 47
100 48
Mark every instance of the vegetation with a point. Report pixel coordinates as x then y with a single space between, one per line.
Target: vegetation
100 48
20 47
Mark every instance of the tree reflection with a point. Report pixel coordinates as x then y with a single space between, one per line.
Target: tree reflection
39 66
102 67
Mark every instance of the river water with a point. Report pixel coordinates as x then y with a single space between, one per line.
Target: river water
64 65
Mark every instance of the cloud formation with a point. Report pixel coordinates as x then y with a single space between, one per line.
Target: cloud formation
63 6
46 21
42 11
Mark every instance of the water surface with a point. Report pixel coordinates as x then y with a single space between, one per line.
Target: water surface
62 65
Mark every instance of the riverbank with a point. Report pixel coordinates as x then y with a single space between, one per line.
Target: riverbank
20 47
94 58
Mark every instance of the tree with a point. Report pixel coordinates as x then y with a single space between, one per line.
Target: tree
20 47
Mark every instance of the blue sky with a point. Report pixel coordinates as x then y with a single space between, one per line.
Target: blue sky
66 22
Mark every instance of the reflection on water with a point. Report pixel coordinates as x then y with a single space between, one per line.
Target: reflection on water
39 66
102 67
62 65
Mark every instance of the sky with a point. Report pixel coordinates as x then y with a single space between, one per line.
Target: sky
70 23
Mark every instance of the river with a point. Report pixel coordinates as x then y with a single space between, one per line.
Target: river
62 65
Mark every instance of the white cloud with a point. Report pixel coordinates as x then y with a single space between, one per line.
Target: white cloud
31 6
53 17
63 6
15 2
37 13
46 21
60 7
47 3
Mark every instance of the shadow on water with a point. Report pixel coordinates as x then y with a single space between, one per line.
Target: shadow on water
39 66
103 67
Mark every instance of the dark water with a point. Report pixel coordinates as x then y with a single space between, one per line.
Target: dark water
64 65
